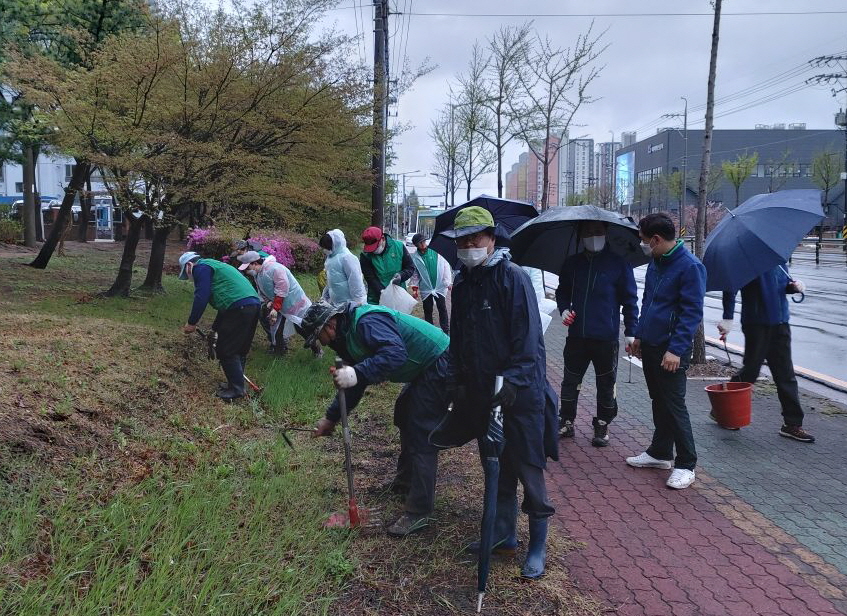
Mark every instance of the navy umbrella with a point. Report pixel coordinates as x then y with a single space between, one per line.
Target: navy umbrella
759 235
546 241
490 448
508 215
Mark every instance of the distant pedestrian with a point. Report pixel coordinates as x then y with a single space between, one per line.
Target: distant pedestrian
767 336
384 261
344 280
672 310
432 280
595 285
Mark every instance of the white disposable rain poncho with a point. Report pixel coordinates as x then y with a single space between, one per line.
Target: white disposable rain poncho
275 280
344 280
421 278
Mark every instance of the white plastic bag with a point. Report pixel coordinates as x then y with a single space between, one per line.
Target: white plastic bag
396 297
546 306
546 319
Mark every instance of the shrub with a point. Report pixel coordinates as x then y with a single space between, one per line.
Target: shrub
308 256
11 231
278 246
209 243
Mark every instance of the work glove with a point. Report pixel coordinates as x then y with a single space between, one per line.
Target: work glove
568 318
344 377
799 286
506 396
272 316
415 292
325 427
724 327
629 340
396 279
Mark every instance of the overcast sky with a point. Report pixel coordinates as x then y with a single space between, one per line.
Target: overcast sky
652 61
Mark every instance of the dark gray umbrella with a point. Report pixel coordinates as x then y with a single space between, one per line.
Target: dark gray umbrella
490 448
546 241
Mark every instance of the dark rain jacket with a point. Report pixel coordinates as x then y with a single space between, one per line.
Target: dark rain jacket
496 330
763 300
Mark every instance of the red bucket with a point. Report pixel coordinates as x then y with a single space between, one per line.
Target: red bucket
731 403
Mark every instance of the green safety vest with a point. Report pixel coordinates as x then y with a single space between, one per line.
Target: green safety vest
424 342
228 285
387 264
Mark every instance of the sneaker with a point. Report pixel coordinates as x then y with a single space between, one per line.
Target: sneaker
797 433
408 523
645 460
566 429
601 433
680 479
715 419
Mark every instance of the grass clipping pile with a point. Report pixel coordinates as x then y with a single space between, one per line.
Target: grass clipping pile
429 572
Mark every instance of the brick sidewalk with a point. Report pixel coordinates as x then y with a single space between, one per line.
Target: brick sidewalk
762 531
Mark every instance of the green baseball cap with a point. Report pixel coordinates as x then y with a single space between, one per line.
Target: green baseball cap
470 220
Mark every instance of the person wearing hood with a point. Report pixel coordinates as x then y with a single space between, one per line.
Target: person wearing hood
432 280
384 261
344 281
231 294
496 331
595 286
380 344
281 294
671 312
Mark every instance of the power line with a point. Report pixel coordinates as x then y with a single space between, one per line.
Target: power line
584 15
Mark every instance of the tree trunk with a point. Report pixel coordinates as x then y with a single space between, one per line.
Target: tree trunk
699 353
153 281
77 180
29 214
85 214
123 281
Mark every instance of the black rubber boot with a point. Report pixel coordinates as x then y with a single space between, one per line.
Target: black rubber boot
505 536
536 554
234 371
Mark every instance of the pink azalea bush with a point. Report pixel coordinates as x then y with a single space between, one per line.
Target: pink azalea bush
277 246
296 252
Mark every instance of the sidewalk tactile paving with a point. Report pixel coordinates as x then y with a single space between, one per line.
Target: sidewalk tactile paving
762 531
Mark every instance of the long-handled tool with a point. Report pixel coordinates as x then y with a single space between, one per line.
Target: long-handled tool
355 517
726 349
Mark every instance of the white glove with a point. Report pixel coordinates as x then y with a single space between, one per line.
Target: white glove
724 327
568 317
800 286
272 316
345 377
629 340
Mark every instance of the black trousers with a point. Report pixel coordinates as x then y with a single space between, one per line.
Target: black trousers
578 353
772 343
512 469
672 426
236 328
443 316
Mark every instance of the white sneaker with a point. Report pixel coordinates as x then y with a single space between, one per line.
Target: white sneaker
680 478
645 460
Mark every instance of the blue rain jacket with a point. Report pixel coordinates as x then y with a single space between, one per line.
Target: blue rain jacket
344 280
763 300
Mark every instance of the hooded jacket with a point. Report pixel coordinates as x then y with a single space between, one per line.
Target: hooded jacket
277 284
496 330
343 273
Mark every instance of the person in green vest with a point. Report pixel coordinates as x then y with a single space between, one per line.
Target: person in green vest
433 279
380 344
237 303
384 261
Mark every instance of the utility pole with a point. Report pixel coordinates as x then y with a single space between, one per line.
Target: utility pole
837 79
684 180
612 172
380 105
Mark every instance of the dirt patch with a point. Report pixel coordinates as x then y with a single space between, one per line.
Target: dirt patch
712 368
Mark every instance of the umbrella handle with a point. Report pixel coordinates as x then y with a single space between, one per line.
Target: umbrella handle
798 301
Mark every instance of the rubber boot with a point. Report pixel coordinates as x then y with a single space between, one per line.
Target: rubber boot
536 554
505 535
234 372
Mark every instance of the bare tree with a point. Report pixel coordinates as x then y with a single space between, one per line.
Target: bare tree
826 173
779 170
699 350
447 152
507 56
552 89
474 120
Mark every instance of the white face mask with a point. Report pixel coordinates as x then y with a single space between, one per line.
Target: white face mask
648 252
326 252
594 243
381 247
472 257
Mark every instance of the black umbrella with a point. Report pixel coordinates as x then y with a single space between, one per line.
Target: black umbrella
508 215
546 241
490 448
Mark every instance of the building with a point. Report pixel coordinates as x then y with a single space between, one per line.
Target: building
525 180
628 138
52 174
785 158
581 164
604 168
